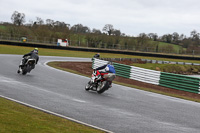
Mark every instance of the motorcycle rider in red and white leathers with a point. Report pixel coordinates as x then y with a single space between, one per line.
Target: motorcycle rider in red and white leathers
105 69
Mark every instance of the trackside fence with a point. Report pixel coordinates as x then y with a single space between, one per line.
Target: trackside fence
180 82
170 80
122 70
145 75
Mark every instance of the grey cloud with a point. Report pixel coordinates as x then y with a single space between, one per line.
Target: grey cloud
130 16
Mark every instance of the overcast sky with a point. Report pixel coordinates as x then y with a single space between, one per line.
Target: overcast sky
131 17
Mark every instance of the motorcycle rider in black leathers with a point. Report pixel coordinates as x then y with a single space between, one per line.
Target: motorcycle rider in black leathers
33 55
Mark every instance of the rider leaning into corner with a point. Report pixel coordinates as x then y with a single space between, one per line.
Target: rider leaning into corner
105 69
33 55
96 55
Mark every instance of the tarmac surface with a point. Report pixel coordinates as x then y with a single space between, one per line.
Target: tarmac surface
120 109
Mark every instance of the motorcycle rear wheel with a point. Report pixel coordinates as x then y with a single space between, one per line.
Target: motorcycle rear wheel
24 71
102 87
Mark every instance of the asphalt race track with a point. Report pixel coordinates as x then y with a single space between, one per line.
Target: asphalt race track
120 109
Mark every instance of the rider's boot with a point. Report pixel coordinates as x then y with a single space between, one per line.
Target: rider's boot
110 85
20 69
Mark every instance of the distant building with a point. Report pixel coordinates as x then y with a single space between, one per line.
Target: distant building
62 42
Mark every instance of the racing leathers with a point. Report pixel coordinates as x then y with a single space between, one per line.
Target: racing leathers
105 69
31 55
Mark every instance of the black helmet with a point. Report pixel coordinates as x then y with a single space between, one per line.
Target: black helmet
110 62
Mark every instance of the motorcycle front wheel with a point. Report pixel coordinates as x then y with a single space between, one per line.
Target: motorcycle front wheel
88 85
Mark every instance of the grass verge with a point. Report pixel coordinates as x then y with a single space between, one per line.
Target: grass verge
171 68
20 50
19 118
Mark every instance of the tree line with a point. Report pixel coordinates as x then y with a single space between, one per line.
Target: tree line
108 36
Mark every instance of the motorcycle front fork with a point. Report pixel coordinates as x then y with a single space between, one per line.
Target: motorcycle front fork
94 84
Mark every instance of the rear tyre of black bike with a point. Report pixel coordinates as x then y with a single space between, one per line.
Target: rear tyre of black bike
24 71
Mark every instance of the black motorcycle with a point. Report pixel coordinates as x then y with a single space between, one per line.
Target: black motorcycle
100 85
28 66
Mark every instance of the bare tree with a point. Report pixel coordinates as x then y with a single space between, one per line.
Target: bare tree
123 34
49 22
117 32
142 39
153 36
108 28
167 38
39 21
182 36
195 35
79 28
60 24
18 18
96 31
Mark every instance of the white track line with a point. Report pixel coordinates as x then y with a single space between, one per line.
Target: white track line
56 114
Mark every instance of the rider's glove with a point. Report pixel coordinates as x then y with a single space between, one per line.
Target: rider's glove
94 72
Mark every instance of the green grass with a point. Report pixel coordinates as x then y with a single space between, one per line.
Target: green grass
2 27
15 117
163 44
176 48
171 68
20 50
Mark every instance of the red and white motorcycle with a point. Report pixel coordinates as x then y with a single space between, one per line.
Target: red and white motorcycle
100 82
